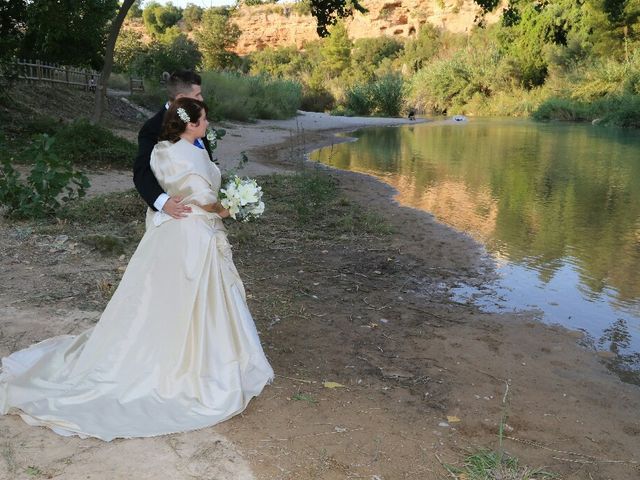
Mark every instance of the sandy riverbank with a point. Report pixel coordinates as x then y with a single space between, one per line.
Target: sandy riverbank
374 316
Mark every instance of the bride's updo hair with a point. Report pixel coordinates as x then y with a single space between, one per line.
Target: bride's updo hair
181 111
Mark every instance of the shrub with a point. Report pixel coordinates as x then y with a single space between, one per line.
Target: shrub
316 100
615 110
84 144
562 109
52 183
382 97
245 97
358 100
387 95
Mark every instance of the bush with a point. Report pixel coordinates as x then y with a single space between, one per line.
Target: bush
84 144
52 183
177 53
358 99
619 110
562 109
387 95
625 112
244 97
316 100
382 97
435 87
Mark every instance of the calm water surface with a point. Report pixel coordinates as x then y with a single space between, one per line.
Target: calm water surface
557 205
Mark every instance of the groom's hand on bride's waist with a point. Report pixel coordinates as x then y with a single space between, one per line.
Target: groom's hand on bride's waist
173 208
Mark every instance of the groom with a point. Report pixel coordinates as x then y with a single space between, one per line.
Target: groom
183 83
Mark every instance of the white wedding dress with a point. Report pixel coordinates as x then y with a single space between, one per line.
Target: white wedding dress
176 348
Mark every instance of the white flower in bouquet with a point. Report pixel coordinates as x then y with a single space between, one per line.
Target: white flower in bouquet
243 198
212 137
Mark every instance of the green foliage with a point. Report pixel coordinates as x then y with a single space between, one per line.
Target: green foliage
312 199
302 7
284 62
128 47
358 100
245 97
368 54
92 145
381 97
419 51
620 111
436 88
52 183
180 53
192 16
336 51
112 208
255 3
328 12
136 10
491 465
316 100
158 18
216 37
67 32
12 14
387 95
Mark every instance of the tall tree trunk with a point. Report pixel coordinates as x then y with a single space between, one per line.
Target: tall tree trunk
101 91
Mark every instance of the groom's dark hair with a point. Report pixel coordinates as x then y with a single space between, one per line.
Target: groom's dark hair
182 81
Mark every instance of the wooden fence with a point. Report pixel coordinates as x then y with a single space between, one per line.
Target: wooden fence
37 71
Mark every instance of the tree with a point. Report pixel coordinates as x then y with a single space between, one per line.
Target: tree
284 62
136 10
368 54
110 46
192 16
101 91
158 18
216 38
181 53
12 19
418 51
336 51
70 32
128 47
328 12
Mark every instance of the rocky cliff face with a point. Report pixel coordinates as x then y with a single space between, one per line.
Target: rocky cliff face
279 25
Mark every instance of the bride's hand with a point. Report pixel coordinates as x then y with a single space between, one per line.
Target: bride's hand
217 208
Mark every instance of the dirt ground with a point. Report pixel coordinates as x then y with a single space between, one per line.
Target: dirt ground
423 379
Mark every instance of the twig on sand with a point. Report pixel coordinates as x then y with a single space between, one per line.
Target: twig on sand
295 379
585 458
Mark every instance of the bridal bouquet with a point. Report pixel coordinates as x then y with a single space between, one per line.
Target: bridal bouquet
243 198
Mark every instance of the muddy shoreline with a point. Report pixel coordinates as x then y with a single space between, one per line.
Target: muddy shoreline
423 379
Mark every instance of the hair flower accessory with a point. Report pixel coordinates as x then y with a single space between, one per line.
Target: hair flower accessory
184 116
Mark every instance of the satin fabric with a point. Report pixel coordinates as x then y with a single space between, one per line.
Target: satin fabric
176 348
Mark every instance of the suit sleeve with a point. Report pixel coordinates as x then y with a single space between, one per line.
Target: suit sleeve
143 178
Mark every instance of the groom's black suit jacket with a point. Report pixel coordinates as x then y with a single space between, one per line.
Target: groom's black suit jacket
143 178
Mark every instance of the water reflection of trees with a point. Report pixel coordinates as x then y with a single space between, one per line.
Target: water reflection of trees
617 340
539 193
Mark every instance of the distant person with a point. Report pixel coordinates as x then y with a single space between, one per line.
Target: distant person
412 114
92 84
181 84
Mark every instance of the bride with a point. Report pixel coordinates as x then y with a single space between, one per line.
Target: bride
176 348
